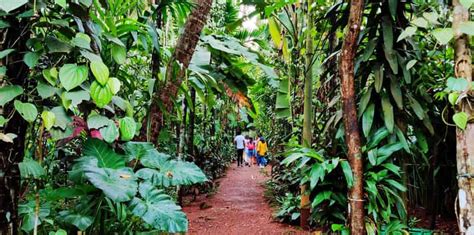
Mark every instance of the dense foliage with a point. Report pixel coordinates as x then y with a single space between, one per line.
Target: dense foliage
109 114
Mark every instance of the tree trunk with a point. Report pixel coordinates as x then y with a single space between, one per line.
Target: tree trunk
464 138
192 114
183 53
307 114
351 127
12 153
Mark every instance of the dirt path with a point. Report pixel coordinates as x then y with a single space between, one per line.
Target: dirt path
238 207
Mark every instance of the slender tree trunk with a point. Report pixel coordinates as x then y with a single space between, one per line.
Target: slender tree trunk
464 138
12 153
183 53
351 127
192 114
307 114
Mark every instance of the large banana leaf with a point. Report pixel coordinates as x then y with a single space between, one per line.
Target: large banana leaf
158 210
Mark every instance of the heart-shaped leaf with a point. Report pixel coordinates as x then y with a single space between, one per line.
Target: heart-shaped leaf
8 93
119 53
72 75
460 119
48 119
443 35
128 128
51 75
114 85
31 59
101 95
27 111
100 71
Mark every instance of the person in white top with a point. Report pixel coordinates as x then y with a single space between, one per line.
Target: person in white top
239 142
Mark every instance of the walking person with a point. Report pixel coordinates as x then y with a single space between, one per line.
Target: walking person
239 142
262 149
250 146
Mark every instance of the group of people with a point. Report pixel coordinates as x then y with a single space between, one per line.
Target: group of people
252 150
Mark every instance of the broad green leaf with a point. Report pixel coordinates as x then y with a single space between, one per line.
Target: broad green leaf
372 156
432 17
391 56
393 4
443 35
82 222
346 168
114 85
274 32
62 119
90 56
378 76
375 139
420 22
128 128
157 209
453 98
387 150
117 184
6 52
2 121
27 111
408 32
428 125
51 75
396 185
119 53
410 64
61 3
100 71
101 95
57 46
367 119
416 106
457 84
320 197
467 3
460 119
72 75
96 121
138 150
110 132
82 40
31 59
48 119
364 101
65 101
8 93
387 31
29 217
31 169
76 97
4 24
396 92
317 173
467 27
45 91
172 173
11 5
105 155
388 113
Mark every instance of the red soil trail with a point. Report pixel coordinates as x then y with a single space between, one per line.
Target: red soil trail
238 207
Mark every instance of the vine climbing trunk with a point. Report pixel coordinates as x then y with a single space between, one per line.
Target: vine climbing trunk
162 100
464 138
351 127
307 113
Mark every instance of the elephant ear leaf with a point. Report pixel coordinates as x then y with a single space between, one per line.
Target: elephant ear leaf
158 210
103 153
117 184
